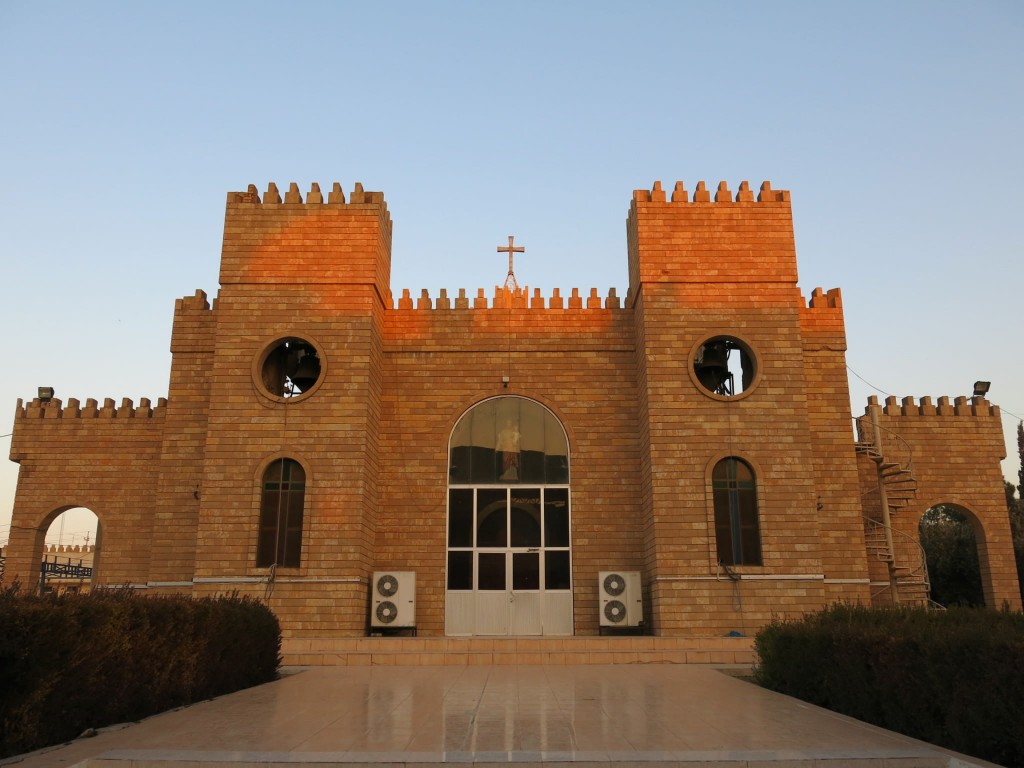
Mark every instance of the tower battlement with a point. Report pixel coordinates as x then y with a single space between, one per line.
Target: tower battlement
960 406
821 319
314 197
277 240
517 299
830 299
703 195
68 549
55 409
708 245
197 302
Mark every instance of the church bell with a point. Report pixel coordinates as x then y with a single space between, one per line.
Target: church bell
712 367
303 367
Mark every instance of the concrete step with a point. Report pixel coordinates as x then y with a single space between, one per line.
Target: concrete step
464 651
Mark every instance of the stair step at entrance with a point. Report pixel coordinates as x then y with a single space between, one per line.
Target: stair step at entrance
462 651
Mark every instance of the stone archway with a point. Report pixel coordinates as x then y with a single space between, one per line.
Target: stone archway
950 535
70 555
27 545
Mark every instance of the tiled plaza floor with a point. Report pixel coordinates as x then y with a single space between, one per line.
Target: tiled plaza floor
625 715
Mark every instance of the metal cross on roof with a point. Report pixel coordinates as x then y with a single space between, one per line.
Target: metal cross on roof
510 279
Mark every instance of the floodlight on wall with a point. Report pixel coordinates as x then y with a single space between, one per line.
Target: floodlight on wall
45 394
981 388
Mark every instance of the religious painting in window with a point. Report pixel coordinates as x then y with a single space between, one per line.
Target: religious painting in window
508 441
281 507
737 531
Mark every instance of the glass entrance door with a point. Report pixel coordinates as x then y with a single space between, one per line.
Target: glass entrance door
509 561
508 522
509 598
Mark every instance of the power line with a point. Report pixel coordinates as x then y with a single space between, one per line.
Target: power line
877 389
1002 410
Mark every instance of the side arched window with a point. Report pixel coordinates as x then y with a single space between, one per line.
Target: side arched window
281 502
737 532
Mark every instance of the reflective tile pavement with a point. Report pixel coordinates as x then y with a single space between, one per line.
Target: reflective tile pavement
629 714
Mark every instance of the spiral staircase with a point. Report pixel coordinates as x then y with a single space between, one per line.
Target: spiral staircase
896 489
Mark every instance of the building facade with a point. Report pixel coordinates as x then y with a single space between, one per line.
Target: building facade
512 450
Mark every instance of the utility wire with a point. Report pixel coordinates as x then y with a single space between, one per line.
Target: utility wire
1002 409
877 389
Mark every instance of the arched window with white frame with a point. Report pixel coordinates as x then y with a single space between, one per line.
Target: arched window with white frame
509 544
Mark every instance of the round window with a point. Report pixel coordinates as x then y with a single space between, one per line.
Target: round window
289 368
724 367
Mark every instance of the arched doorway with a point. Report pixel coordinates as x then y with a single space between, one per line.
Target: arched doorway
948 537
70 555
509 553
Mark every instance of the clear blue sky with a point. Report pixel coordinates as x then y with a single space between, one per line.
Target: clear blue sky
898 127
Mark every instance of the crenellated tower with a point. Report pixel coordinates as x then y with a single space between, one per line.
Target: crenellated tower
724 350
304 288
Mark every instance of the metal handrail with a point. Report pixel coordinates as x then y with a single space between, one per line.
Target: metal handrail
922 571
868 427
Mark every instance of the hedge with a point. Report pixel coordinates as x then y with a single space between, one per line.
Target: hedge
76 662
953 678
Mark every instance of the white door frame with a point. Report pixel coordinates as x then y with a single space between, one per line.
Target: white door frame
510 611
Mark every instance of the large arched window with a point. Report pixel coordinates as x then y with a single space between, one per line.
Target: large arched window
736 526
509 544
281 502
508 441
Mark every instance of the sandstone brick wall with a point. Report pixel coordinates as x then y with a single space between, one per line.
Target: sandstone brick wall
702 268
838 487
954 449
103 457
177 487
180 467
314 270
578 362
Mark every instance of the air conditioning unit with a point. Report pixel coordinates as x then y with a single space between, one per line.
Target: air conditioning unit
393 599
621 601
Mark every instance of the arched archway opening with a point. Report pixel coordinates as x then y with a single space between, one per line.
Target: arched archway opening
70 554
949 537
508 548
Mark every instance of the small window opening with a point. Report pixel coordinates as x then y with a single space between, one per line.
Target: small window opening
724 366
291 368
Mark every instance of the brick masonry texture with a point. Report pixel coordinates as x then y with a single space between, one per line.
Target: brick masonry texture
177 486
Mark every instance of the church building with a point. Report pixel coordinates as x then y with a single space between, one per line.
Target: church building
680 460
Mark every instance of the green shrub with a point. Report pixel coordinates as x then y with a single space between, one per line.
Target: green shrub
71 663
953 678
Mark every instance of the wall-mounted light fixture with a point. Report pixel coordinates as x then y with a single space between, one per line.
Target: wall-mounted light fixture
45 394
981 388
504 381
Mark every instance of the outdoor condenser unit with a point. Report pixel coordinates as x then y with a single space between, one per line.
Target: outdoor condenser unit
621 598
393 599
